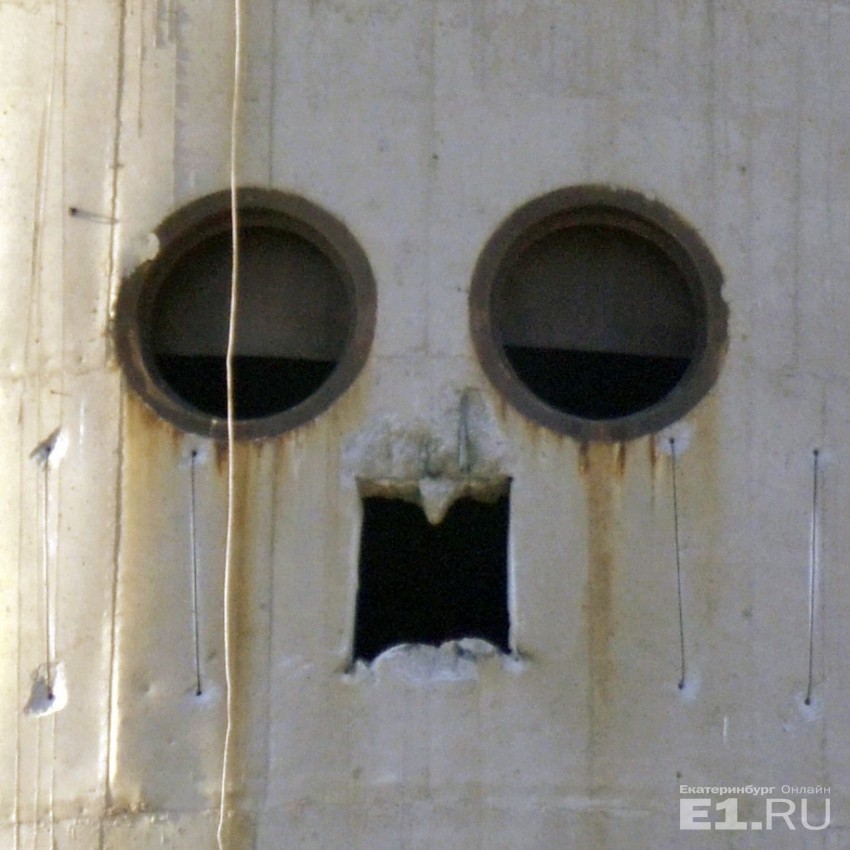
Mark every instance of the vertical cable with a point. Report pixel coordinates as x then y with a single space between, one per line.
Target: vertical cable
51 794
196 628
231 341
41 454
45 577
813 574
678 565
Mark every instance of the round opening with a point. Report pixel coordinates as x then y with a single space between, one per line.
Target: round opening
304 319
598 313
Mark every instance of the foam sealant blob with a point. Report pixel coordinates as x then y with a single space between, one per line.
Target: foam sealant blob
423 664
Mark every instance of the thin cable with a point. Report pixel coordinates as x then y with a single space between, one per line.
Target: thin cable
193 537
51 797
37 811
45 577
678 563
231 345
41 191
813 569
38 241
16 811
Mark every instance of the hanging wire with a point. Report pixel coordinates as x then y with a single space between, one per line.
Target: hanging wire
41 455
231 345
813 571
51 796
683 668
45 578
196 628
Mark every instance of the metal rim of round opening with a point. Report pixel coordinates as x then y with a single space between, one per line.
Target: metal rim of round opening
588 213
198 235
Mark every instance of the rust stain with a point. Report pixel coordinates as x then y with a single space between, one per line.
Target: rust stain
584 459
601 624
220 452
242 597
248 627
530 432
652 448
149 422
156 452
620 456
258 444
245 493
155 448
656 468
602 483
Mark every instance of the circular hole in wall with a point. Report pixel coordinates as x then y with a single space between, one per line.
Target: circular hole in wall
598 313
304 320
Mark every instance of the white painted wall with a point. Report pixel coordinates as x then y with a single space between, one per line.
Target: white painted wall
421 126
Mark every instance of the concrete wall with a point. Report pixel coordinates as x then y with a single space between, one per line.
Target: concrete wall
421 126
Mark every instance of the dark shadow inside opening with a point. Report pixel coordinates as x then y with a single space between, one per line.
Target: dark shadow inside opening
596 384
421 583
263 386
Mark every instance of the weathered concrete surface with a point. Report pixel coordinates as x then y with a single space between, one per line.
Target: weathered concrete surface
422 126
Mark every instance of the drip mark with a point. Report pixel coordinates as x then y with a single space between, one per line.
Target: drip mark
813 574
678 564
195 618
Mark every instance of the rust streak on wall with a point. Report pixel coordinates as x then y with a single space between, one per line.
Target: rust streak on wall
220 450
584 459
245 630
652 450
602 482
146 423
620 455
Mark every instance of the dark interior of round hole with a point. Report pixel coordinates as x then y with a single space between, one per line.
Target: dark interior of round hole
292 320
596 321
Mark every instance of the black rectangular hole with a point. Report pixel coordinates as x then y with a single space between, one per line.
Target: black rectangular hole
427 584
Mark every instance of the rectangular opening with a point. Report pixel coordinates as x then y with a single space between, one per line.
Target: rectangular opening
427 584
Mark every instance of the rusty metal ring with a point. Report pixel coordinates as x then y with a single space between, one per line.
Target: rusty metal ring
208 217
621 209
